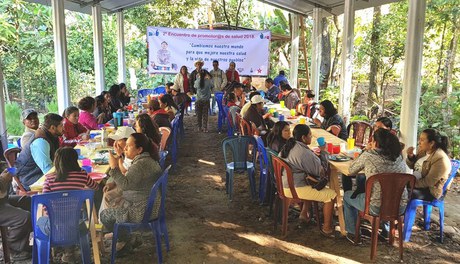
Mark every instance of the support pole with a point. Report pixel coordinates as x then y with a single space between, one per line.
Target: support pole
60 55
316 52
3 132
294 69
98 48
347 60
121 47
412 72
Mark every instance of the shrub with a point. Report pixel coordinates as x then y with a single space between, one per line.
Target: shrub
52 107
13 119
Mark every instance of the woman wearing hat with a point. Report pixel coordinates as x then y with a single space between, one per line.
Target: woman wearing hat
255 114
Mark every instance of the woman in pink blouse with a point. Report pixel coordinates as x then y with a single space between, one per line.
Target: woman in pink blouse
87 119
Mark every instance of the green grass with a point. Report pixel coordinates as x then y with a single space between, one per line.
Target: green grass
13 119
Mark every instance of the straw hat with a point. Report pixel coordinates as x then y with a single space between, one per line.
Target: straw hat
199 62
256 99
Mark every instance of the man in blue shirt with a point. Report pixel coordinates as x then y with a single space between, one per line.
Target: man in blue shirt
36 157
272 90
280 78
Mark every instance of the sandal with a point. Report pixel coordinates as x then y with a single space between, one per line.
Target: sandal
328 235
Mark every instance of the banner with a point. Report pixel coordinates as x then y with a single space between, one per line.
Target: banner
169 49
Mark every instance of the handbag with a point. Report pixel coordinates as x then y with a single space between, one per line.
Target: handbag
317 184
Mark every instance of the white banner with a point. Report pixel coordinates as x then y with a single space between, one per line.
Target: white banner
170 48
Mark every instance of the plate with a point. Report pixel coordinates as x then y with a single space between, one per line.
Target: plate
97 176
339 158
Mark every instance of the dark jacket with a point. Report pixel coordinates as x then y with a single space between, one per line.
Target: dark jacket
336 120
272 94
252 115
161 118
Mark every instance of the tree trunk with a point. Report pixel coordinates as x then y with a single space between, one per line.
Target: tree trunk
337 52
325 68
224 6
450 60
441 52
375 55
238 13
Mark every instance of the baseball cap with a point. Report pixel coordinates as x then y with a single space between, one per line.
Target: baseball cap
121 133
27 112
256 99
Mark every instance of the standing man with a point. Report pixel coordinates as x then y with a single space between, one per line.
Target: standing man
31 122
219 79
272 90
280 78
196 73
36 157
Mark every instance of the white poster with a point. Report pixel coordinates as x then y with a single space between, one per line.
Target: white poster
170 48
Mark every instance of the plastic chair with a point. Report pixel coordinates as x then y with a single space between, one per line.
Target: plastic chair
159 90
358 130
411 210
392 186
165 132
271 188
239 146
142 94
11 155
163 154
279 166
65 214
221 116
173 142
246 128
335 130
157 225
231 128
263 168
5 245
18 142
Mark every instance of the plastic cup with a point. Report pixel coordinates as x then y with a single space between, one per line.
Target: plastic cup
303 121
336 149
330 148
281 117
93 135
282 104
86 162
293 112
343 147
355 155
12 171
321 141
88 169
350 143
275 114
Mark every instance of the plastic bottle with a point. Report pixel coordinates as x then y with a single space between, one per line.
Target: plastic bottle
104 137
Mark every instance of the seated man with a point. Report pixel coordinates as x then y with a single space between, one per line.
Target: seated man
36 157
291 98
31 122
16 219
272 90
248 104
181 99
255 114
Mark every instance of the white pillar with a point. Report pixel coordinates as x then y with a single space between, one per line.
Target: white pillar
412 72
121 47
347 60
60 55
3 134
294 67
98 48
316 52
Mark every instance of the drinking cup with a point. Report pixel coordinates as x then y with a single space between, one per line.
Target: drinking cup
88 169
343 147
330 148
336 149
321 141
350 143
281 117
275 114
292 112
282 104
78 152
303 121
86 162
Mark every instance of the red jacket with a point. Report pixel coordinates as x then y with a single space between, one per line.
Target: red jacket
71 133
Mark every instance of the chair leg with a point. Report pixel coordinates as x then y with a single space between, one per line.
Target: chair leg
43 247
276 213
156 230
409 219
441 222
114 243
252 182
400 234
85 249
318 218
375 235
357 229
391 235
286 203
427 216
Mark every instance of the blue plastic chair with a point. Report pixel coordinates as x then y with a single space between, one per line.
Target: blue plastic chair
262 93
263 168
157 226
191 103
142 95
411 209
159 90
163 155
239 146
18 142
222 116
175 127
65 214
228 116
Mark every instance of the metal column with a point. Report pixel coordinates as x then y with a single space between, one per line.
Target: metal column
98 48
316 52
295 34
121 47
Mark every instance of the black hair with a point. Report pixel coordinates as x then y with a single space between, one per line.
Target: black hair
440 141
142 141
122 85
86 104
276 134
215 61
169 84
269 80
387 143
168 100
65 161
385 121
99 100
286 86
149 128
69 110
282 83
103 93
114 90
202 78
52 119
299 131
310 94
237 85
329 108
231 97
281 72
164 42
252 95
154 105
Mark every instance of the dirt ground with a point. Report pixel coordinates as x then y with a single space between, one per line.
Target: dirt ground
205 227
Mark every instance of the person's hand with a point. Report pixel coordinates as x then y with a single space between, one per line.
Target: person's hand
118 149
100 118
109 186
317 121
267 115
84 136
113 162
410 152
323 147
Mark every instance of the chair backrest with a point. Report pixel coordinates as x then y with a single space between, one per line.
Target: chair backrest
161 184
175 125
219 97
165 131
392 186
280 166
270 153
11 155
361 131
159 90
142 94
335 130
237 124
239 146
64 211
246 128
453 173
263 158
163 154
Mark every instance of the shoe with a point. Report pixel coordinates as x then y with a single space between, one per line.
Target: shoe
351 238
21 256
328 235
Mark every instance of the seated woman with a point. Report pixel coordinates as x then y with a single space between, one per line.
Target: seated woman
158 114
329 113
102 110
308 107
135 184
115 98
87 106
167 103
73 132
145 125
304 162
431 165
279 135
254 115
383 157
